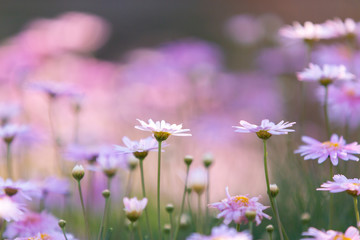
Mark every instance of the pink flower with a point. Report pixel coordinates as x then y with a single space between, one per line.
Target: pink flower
10 131
9 209
134 207
222 232
144 145
53 89
351 234
25 189
266 128
233 208
325 75
342 184
334 149
339 28
308 32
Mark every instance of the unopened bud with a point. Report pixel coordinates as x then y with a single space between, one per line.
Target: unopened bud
167 228
305 218
110 172
132 162
250 215
78 172
184 220
62 223
208 159
106 193
188 160
274 190
270 228
169 208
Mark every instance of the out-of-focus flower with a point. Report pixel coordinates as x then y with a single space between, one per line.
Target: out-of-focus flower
222 232
53 89
325 75
54 185
266 129
334 149
10 131
245 29
80 153
198 180
233 208
140 148
47 236
339 28
31 224
9 209
314 234
309 32
8 111
134 207
162 130
342 184
25 189
109 162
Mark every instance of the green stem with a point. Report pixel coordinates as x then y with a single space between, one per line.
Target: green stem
171 225
158 189
268 192
9 160
251 228
207 198
139 232
83 210
238 227
189 206
356 212
331 203
144 196
270 235
327 124
63 230
2 230
182 203
103 220
131 231
199 222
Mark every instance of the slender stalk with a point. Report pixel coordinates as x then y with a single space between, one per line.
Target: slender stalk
90 192
131 237
83 210
238 227
199 221
158 189
331 203
103 220
139 232
327 124
268 192
182 202
207 198
356 212
270 235
43 201
9 160
189 206
2 230
144 196
251 225
63 230
171 226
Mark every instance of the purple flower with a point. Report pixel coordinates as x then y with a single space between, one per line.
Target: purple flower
80 153
10 131
334 149
134 207
53 89
9 209
351 234
8 111
25 189
222 232
144 145
342 184
307 32
233 208
54 185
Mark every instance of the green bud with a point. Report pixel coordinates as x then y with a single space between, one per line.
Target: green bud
169 208
78 172
270 228
106 193
62 223
188 160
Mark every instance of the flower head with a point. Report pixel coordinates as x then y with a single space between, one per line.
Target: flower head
81 153
25 189
139 149
308 32
9 209
162 130
234 208
339 28
222 232
109 162
325 75
134 207
266 128
10 131
342 184
8 111
334 149
350 234
53 89
198 180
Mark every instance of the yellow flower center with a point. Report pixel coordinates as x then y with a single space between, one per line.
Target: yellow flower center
242 200
341 237
350 92
331 144
43 236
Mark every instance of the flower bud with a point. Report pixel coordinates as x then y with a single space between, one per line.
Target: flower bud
167 228
169 208
110 172
250 215
208 159
132 163
62 223
184 220
270 228
106 193
198 180
78 172
305 218
188 160
134 207
274 190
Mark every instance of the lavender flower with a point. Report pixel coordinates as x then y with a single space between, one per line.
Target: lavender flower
222 232
134 207
138 148
351 234
342 184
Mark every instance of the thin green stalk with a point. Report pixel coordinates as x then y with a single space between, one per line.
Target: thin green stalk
63 230
268 192
171 225
356 212
327 124
139 232
207 198
251 223
331 203
144 196
9 160
199 222
2 230
189 206
131 237
89 192
182 202
158 189
238 227
270 235
103 220
83 210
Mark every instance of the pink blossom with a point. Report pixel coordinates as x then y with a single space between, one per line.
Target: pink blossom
222 232
342 184
351 234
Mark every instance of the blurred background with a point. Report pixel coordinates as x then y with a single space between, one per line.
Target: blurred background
206 64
